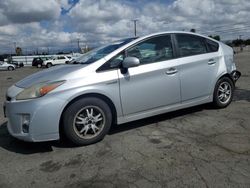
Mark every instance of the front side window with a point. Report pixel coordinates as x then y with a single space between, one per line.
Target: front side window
113 63
117 60
153 50
190 45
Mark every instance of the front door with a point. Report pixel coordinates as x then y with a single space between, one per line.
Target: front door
153 84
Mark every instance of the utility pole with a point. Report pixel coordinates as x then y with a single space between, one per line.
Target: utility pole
241 47
135 21
72 46
14 47
78 45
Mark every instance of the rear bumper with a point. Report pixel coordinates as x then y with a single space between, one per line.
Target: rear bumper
235 75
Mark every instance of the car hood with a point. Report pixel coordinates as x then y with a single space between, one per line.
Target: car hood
52 74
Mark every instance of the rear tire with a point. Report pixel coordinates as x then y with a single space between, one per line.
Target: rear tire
39 65
223 92
87 121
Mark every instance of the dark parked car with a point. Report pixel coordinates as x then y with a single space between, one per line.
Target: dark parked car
38 61
17 64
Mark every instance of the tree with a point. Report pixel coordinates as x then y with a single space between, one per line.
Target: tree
18 51
192 30
216 37
9 59
247 42
238 42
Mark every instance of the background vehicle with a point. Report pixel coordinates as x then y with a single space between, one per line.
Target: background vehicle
7 66
125 81
38 61
17 64
56 61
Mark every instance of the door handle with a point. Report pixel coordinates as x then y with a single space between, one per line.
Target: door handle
171 71
211 62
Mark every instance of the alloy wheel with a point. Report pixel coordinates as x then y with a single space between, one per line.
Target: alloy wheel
89 122
224 92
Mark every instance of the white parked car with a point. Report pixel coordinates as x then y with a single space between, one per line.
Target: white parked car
7 66
56 61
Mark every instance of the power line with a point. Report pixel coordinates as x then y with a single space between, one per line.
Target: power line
231 29
246 30
221 26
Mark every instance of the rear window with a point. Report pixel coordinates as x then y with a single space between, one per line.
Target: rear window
212 46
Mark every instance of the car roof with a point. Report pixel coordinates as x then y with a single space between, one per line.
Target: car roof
177 32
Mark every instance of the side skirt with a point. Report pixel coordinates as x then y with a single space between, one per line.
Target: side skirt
165 109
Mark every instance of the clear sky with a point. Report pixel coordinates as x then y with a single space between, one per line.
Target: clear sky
58 24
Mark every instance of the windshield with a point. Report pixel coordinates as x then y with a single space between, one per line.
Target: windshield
101 52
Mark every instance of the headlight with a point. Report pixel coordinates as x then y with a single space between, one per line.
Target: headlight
38 90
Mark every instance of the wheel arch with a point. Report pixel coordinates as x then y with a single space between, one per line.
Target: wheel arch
215 100
96 95
10 67
228 76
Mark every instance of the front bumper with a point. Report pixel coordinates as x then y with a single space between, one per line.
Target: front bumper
44 117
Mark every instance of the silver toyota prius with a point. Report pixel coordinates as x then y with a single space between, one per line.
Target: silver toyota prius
121 82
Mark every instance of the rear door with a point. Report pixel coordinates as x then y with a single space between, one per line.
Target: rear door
198 68
153 84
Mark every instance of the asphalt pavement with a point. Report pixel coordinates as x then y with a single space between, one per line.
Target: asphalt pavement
194 147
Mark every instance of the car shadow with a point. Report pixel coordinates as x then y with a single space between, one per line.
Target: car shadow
158 118
241 94
13 145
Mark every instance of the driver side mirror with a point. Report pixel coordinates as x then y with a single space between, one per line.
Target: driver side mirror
130 62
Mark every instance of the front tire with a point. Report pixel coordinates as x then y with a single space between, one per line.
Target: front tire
10 68
223 92
49 65
87 121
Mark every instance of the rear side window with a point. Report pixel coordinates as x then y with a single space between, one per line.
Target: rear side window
190 45
212 46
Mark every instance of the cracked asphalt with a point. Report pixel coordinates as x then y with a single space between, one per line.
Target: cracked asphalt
194 147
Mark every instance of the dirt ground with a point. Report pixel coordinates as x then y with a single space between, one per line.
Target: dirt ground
194 147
